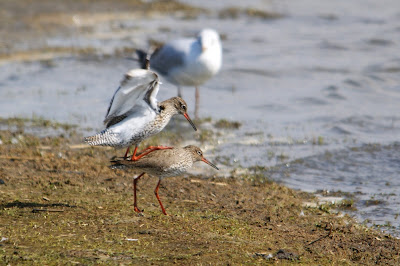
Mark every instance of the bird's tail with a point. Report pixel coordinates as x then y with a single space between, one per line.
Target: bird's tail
120 164
142 55
116 165
104 138
143 58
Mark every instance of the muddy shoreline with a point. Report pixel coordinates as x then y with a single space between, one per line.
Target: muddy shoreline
60 203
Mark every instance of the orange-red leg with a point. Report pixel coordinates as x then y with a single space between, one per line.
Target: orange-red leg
147 151
158 197
134 158
126 153
135 180
197 103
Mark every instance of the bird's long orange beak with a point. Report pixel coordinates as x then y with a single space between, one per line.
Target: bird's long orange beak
209 163
190 121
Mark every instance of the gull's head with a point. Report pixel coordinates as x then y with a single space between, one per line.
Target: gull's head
208 38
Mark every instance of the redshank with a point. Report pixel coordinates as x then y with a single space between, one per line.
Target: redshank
134 113
187 62
163 163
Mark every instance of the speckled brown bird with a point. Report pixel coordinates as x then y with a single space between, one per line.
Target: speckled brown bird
134 113
163 163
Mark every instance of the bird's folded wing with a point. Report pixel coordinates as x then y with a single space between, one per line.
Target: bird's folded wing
157 160
138 88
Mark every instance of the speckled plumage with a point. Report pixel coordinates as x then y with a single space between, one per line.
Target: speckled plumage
134 113
138 126
163 163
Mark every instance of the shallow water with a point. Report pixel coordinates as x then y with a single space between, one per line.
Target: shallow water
318 84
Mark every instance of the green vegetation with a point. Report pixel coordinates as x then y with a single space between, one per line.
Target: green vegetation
223 123
35 122
236 12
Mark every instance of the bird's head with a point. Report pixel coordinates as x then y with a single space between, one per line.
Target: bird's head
180 107
197 155
208 38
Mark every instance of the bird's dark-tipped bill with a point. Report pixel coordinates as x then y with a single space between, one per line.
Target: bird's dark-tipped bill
210 164
190 121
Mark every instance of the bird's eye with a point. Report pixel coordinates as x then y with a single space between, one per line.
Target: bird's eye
199 153
183 107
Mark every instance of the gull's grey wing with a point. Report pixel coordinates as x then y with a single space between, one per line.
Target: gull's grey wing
171 55
138 88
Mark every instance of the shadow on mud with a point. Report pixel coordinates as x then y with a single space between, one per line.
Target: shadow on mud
19 204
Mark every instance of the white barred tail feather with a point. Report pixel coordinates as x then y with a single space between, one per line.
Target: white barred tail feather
104 138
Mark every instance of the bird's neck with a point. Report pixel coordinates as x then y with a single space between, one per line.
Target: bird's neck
165 114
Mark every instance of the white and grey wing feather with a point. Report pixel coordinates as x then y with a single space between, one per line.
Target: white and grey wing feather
151 95
171 55
139 87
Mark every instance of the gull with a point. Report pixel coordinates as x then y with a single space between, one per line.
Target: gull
187 62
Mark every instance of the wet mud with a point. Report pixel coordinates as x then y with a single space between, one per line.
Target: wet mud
61 203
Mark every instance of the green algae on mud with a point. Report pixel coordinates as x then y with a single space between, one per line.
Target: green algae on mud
61 204
35 122
29 21
236 12
223 123
32 22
